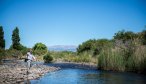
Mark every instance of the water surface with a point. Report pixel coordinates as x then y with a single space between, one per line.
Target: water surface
83 76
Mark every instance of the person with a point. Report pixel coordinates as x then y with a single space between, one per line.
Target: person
30 57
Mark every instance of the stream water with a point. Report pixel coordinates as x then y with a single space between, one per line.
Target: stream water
84 76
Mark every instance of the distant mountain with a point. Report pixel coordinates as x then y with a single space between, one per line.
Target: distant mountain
62 48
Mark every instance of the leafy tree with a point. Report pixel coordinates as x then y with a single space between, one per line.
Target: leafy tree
40 49
86 46
125 35
2 40
21 47
40 46
16 39
95 46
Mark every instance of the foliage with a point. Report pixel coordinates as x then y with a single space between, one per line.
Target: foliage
86 46
126 52
63 55
137 62
93 46
16 40
40 49
40 46
68 56
24 50
39 52
47 58
101 44
124 56
2 40
111 59
84 57
125 35
143 37
19 47
13 53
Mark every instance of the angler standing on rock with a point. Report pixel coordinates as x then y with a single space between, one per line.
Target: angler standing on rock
30 57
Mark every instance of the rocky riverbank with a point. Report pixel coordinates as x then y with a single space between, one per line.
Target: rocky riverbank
16 73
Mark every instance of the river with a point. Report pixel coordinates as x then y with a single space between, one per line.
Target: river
86 76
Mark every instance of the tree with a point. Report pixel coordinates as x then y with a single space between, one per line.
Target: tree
40 49
2 40
40 46
125 35
86 46
93 45
16 39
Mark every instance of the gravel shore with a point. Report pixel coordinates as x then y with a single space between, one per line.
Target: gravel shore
16 73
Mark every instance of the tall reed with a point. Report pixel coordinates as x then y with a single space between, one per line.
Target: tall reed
128 59
137 62
111 59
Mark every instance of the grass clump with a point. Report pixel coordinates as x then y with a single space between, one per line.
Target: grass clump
123 58
137 62
47 58
111 59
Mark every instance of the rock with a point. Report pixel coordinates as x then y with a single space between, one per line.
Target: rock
19 81
11 73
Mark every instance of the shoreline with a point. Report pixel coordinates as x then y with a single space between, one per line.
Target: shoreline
16 72
73 65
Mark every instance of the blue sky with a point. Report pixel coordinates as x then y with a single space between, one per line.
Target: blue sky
70 22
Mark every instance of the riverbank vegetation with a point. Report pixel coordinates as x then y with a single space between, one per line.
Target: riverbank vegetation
124 52
127 53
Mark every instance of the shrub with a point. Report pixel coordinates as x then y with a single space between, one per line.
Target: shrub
47 58
13 54
40 46
39 52
24 51
93 46
40 49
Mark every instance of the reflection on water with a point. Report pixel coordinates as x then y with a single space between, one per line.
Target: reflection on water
81 76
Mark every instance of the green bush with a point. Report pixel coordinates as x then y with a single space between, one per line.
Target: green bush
47 58
40 46
84 57
39 52
93 46
40 49
66 56
13 54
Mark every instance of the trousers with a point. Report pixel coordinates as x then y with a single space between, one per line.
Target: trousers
29 64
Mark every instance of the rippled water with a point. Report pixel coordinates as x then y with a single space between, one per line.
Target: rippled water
83 76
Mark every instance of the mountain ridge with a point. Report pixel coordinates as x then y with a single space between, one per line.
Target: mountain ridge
62 48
